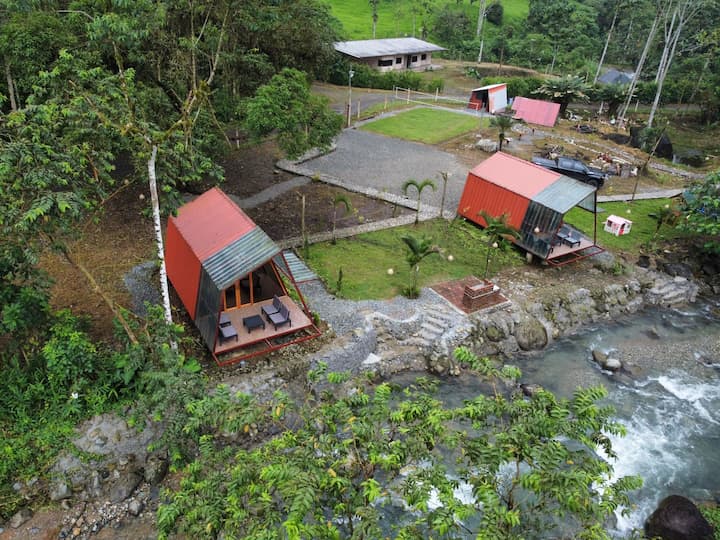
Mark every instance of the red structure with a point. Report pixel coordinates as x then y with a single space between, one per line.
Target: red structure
225 269
536 111
490 98
534 201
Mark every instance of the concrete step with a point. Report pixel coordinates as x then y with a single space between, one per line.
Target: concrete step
430 328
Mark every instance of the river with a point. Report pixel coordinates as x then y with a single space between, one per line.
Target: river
669 401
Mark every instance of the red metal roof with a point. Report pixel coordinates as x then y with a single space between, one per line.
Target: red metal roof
211 222
535 111
514 174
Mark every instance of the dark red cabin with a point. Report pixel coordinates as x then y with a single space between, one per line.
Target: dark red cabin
225 269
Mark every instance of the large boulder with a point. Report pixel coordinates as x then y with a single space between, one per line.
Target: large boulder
677 518
531 334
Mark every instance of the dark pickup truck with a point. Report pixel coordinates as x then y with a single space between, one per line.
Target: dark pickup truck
574 168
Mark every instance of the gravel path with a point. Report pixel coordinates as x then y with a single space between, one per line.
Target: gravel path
384 164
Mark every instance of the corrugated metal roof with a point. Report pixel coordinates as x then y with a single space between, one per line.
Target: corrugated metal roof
489 87
563 194
370 48
240 257
535 111
211 222
515 174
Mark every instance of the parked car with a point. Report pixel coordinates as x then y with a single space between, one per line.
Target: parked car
574 168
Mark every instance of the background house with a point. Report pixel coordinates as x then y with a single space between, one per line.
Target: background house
390 54
534 201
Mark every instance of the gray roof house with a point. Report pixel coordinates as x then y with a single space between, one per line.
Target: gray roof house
390 54
614 76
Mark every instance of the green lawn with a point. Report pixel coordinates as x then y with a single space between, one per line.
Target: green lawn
366 258
430 126
643 226
395 19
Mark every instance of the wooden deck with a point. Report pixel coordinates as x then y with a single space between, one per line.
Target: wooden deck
563 249
246 338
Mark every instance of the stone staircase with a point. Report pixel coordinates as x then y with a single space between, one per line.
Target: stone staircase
434 324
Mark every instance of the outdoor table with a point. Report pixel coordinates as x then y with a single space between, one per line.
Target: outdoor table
252 322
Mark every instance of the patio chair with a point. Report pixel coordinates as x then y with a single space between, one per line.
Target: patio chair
271 309
281 317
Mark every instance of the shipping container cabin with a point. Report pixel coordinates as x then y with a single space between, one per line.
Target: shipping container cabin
535 201
535 111
491 98
225 269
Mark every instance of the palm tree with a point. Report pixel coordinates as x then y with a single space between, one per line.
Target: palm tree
419 186
419 248
374 5
564 90
497 231
503 124
344 201
667 215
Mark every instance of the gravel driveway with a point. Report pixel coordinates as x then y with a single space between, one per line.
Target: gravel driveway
374 161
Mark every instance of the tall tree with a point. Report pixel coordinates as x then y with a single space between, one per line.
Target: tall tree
682 12
374 6
641 62
286 106
607 41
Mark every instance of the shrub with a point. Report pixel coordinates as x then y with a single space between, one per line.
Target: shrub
494 13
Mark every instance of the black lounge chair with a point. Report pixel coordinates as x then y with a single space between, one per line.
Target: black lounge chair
281 317
273 308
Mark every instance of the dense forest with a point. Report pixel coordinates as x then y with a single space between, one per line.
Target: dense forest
159 84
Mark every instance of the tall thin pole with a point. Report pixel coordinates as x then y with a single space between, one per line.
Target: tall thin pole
349 110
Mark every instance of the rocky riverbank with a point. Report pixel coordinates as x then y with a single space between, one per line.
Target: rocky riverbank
117 489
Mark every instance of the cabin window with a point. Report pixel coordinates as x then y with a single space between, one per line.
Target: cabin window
385 63
423 57
398 60
230 297
413 59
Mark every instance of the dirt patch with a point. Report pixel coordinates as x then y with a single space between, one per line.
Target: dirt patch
122 235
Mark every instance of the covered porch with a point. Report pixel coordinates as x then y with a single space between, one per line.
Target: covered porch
569 244
251 340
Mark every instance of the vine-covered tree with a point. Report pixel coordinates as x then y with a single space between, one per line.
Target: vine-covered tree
702 212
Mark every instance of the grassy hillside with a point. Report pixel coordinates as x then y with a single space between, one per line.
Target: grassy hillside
395 18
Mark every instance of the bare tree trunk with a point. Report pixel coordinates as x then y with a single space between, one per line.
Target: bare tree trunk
639 67
607 42
11 86
481 18
158 236
684 11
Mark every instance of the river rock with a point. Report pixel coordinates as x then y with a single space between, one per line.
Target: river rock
60 490
135 507
599 356
20 517
677 518
122 487
677 269
530 390
531 334
156 468
613 364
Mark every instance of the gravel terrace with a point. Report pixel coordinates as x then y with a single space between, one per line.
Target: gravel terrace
383 163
